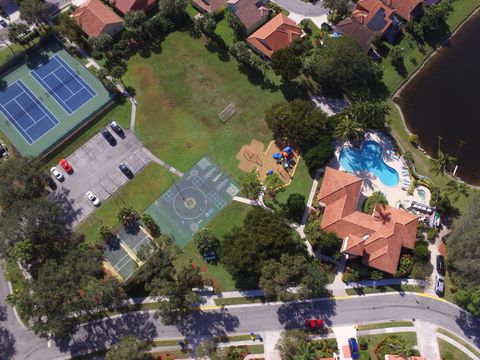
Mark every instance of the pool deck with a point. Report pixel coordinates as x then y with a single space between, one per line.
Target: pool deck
395 194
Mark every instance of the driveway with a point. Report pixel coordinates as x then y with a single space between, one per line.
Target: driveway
95 168
342 334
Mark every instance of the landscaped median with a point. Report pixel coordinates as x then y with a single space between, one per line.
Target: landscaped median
445 346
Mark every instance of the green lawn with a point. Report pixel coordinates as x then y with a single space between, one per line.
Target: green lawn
301 184
461 341
374 340
180 92
224 30
225 220
446 348
384 325
138 193
6 54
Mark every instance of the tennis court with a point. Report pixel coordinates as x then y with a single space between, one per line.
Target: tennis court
63 83
25 111
193 200
119 258
133 240
46 96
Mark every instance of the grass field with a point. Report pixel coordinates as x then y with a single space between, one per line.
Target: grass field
374 340
381 289
225 220
384 325
464 343
446 348
180 92
152 181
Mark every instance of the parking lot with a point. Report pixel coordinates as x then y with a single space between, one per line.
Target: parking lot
95 168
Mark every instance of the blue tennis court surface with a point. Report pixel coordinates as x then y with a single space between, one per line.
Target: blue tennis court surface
63 83
25 111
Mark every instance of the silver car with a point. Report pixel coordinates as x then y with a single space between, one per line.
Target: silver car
440 285
93 198
56 174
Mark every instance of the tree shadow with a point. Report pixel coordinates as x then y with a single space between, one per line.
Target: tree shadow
257 78
293 315
216 44
61 197
470 326
401 69
7 339
439 36
98 335
205 325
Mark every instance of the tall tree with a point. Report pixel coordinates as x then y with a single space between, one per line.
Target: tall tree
443 163
206 25
349 129
263 236
34 11
239 30
342 66
134 24
173 10
69 28
286 64
129 348
371 113
251 185
463 251
16 33
206 241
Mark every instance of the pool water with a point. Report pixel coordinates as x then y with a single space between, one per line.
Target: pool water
421 193
368 158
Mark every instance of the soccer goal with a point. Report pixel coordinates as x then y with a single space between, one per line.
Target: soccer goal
227 113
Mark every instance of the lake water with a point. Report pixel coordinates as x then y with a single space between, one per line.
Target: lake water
444 100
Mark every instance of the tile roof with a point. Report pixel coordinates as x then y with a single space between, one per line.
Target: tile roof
379 237
94 16
210 6
250 12
404 8
350 26
275 35
125 6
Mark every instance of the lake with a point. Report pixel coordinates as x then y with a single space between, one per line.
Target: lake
444 100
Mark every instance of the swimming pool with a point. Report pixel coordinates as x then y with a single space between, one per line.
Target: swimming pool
368 158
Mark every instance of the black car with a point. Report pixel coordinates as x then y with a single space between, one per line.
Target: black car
125 170
441 265
108 136
117 128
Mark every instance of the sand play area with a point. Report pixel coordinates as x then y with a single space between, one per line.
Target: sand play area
253 157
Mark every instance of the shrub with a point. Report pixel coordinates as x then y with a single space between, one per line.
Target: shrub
421 253
319 155
405 266
363 343
373 200
321 241
432 234
351 275
421 271
295 207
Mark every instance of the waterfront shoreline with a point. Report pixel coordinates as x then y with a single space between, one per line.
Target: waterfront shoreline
397 94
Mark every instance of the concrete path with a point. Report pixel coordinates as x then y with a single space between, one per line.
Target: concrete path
338 284
162 163
271 340
133 114
427 339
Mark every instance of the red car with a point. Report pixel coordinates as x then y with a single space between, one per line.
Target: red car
66 166
314 324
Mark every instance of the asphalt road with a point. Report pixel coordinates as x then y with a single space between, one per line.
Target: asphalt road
18 343
95 168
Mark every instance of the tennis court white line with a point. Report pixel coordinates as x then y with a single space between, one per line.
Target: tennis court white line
15 98
17 125
15 120
74 94
54 93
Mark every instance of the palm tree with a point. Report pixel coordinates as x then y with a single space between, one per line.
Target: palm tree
443 163
306 351
403 348
349 129
457 188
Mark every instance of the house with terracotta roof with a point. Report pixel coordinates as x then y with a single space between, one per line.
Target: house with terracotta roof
124 6
364 36
406 9
377 238
209 6
251 13
276 34
95 19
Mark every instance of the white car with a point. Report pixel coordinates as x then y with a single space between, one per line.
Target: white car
57 174
440 285
93 198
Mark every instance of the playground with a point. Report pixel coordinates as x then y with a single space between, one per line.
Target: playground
280 158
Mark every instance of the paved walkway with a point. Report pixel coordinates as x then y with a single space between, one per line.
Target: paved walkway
338 285
271 340
427 339
342 334
162 163
457 345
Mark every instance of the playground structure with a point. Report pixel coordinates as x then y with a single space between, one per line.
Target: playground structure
281 158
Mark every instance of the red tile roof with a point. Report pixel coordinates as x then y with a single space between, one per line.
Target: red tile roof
364 36
368 10
379 237
404 8
209 6
125 6
276 34
94 17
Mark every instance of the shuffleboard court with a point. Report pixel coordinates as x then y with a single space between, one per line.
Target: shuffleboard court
25 112
193 200
133 240
63 84
119 258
